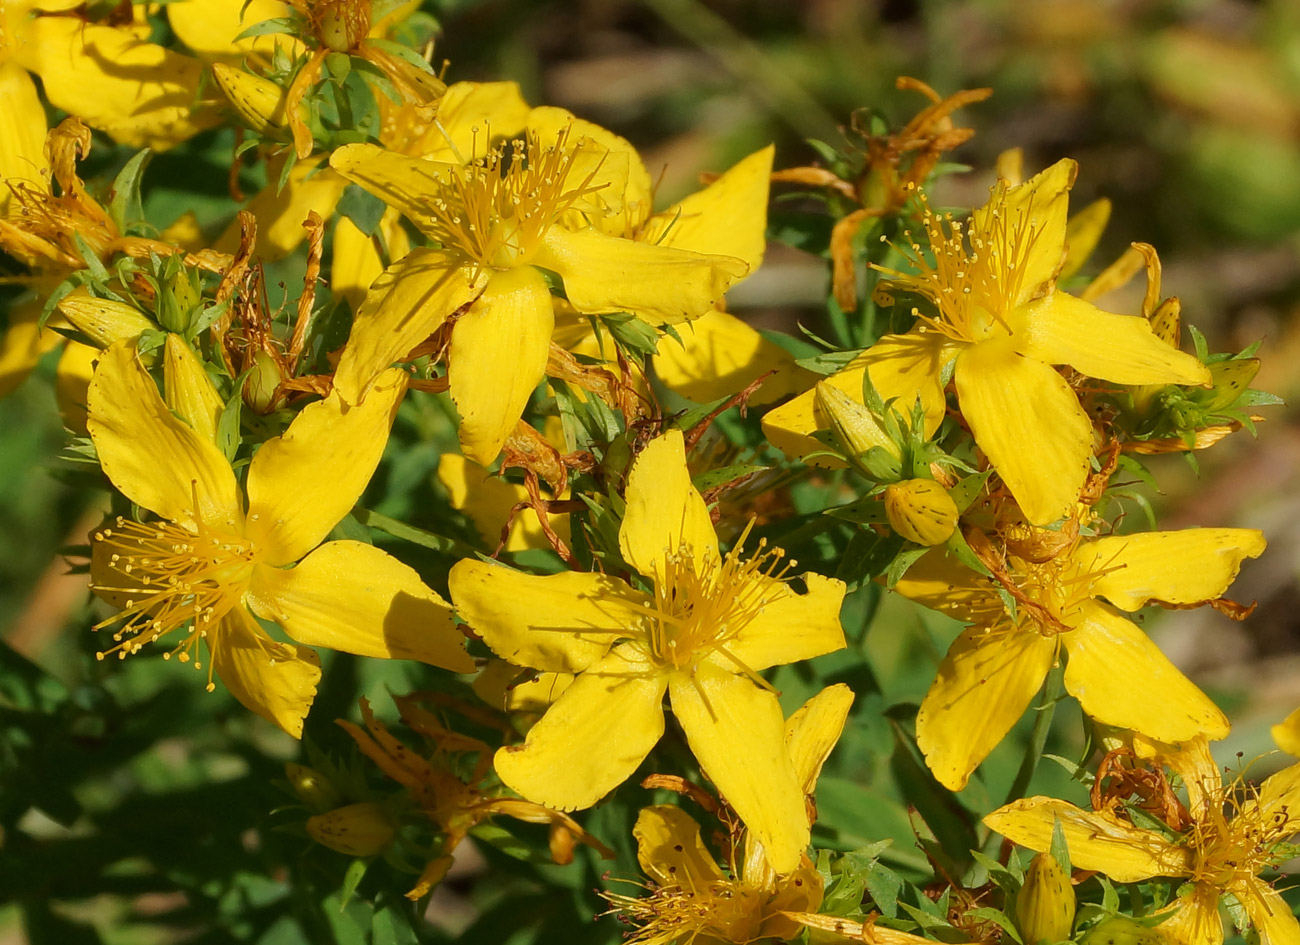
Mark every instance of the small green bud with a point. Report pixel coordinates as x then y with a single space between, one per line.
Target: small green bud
311 787
1045 905
262 383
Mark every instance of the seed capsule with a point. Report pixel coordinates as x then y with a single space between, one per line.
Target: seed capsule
1045 905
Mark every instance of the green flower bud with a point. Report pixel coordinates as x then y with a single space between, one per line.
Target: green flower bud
262 383
921 510
311 787
1045 905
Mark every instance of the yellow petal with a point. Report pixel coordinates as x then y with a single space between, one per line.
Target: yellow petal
403 307
497 357
1287 733
592 739
488 501
789 627
22 344
187 389
472 116
562 623
158 461
984 685
718 355
403 182
22 133
1062 329
813 730
356 598
903 368
1280 792
941 582
356 262
1182 567
209 28
301 484
1269 913
1121 678
72 384
625 183
140 94
729 216
606 274
737 733
280 211
1097 841
1029 423
1082 233
275 680
1195 919
1042 202
664 512
669 848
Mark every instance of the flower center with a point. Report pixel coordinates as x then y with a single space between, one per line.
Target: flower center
496 209
722 909
165 577
701 607
1237 837
979 268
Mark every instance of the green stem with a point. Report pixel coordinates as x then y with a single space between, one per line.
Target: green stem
1052 690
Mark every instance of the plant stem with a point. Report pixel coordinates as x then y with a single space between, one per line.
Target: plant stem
1052 690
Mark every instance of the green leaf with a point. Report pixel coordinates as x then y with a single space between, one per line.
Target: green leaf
632 333
124 204
718 477
363 208
278 24
828 363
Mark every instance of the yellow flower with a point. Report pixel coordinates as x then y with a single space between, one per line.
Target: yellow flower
1237 831
712 623
492 503
691 898
999 319
994 668
1287 733
497 220
139 93
209 563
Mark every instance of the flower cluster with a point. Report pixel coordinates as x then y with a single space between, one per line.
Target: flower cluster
649 522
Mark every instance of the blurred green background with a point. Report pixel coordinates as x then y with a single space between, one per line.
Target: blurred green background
1186 113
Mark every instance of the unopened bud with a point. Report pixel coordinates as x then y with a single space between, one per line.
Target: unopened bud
259 102
1045 905
921 510
858 432
1121 930
177 300
104 321
342 24
311 787
188 390
362 829
263 383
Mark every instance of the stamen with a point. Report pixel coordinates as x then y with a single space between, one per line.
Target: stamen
165 577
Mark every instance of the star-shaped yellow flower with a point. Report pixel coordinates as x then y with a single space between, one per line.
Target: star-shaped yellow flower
210 561
498 221
999 319
1237 831
994 668
712 623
